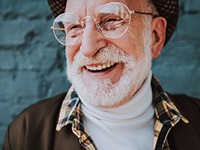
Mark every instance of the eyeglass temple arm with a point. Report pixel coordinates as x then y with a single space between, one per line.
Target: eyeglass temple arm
145 13
57 28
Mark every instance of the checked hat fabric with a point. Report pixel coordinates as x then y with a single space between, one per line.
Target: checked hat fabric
169 9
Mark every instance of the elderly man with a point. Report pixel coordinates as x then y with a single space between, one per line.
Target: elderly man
115 102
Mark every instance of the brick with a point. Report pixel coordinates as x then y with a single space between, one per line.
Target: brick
46 35
25 9
22 32
188 26
7 87
179 53
22 84
180 82
57 82
37 58
178 69
7 60
193 6
14 33
26 85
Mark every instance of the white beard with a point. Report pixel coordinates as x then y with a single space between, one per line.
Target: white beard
102 92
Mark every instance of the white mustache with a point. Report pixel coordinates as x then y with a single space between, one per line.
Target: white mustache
111 54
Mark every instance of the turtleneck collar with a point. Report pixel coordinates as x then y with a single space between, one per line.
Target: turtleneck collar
139 105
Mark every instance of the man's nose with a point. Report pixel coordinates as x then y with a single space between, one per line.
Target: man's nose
92 40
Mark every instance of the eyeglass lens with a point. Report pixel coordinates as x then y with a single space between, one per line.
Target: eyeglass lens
112 21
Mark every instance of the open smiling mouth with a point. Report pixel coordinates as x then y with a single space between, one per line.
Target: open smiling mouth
101 67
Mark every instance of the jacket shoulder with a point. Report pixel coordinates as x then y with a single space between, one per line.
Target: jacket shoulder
186 136
186 103
34 124
43 109
189 108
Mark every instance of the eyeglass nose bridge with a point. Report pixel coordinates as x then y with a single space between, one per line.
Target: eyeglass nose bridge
92 18
88 17
83 20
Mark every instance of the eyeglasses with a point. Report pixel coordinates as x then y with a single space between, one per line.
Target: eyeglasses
112 21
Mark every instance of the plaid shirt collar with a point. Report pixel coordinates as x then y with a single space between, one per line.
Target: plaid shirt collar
166 114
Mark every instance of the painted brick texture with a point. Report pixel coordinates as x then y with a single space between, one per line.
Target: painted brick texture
33 63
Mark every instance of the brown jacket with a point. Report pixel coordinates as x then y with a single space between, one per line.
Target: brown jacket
34 128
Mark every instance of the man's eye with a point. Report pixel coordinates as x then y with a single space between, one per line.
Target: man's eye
73 30
74 27
111 19
111 23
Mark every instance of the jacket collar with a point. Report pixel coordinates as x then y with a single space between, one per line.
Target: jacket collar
166 114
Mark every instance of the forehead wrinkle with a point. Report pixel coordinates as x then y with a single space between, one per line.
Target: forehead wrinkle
135 4
82 7
73 6
90 7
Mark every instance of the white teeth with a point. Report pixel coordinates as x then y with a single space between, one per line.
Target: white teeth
100 67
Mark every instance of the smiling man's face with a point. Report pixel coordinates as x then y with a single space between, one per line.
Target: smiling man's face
108 72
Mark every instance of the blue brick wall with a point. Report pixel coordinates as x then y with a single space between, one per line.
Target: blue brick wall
178 67
33 64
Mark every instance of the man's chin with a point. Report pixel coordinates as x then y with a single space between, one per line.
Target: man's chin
100 93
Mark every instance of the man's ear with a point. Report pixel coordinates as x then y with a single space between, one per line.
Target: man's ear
159 25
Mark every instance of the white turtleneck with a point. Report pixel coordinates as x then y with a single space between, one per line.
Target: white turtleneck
130 126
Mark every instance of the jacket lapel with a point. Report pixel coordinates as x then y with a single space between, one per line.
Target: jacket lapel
66 140
183 137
